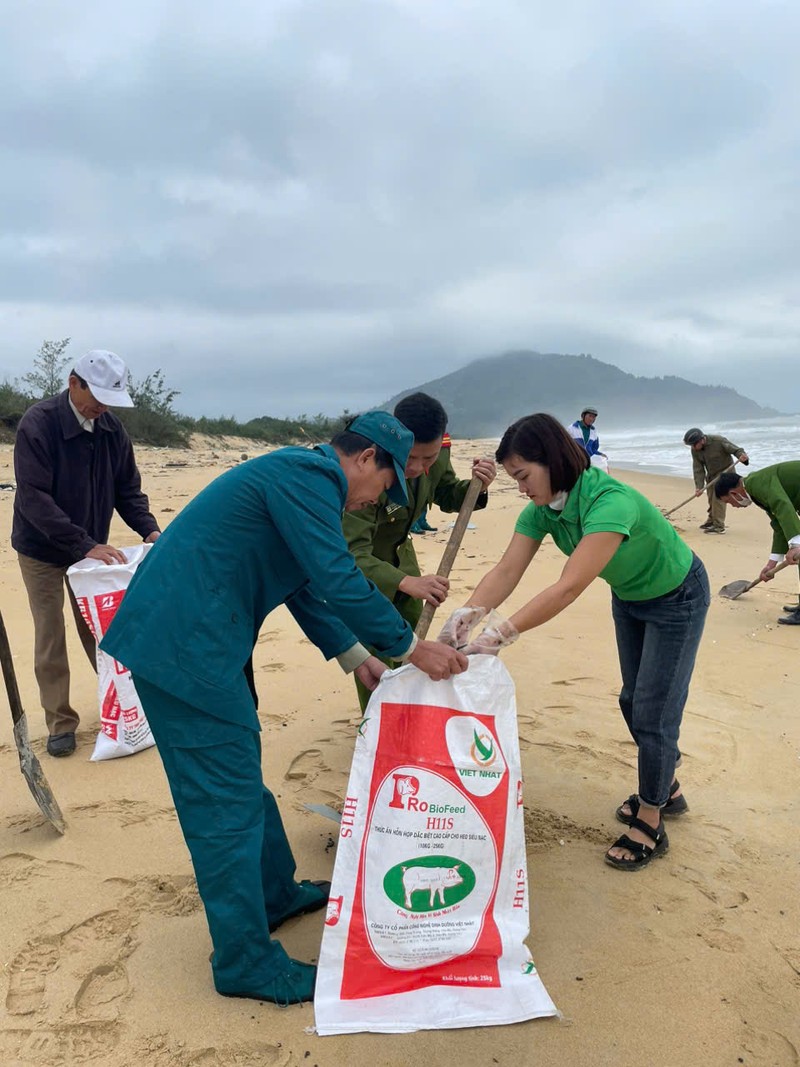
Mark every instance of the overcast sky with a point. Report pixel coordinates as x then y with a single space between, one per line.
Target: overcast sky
297 207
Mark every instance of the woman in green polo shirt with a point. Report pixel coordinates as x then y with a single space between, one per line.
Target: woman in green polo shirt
660 596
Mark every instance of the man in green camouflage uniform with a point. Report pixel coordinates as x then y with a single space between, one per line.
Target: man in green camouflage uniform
776 490
378 535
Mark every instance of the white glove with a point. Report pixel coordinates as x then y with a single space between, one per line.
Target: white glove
459 626
492 639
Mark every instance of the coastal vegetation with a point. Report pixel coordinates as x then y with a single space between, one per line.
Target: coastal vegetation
154 420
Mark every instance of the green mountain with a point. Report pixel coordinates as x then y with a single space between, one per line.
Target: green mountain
484 397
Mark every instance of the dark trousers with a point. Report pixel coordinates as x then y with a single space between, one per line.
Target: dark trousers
657 642
241 856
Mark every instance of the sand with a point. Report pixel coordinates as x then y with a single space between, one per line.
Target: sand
695 960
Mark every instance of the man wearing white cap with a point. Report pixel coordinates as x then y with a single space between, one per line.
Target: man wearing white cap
74 466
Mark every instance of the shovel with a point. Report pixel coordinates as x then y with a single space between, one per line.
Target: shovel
28 763
733 590
476 487
708 485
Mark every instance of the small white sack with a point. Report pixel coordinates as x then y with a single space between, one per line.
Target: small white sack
429 903
99 588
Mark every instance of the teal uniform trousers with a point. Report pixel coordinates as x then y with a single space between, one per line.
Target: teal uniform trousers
241 856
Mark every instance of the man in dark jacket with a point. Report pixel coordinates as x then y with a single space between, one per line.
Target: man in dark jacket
378 535
74 465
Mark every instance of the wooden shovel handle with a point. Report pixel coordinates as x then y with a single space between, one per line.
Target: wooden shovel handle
476 487
9 674
759 579
706 486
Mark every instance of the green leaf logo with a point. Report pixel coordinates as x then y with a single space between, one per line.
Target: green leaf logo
482 749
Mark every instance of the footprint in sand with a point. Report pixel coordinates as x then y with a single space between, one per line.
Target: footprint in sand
99 992
723 893
27 975
173 895
78 977
58 1046
157 1051
306 766
722 940
126 812
47 970
18 868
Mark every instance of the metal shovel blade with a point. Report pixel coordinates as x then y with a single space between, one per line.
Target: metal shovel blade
326 811
735 589
28 763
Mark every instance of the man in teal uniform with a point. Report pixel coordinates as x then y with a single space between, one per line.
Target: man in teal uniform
378 534
776 490
266 533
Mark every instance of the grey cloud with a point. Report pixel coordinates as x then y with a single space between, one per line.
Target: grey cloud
327 195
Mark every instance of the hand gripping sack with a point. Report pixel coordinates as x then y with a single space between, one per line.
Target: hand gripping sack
99 588
429 903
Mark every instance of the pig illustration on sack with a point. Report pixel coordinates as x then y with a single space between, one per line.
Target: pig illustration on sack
433 880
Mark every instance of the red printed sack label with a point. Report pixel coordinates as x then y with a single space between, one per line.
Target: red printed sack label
430 859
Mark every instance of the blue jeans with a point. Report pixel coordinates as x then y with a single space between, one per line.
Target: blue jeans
657 642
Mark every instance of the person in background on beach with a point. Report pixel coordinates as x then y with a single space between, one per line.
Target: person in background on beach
659 600
711 455
776 490
586 435
74 466
378 534
266 533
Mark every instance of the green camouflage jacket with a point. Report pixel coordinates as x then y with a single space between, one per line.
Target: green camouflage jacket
378 535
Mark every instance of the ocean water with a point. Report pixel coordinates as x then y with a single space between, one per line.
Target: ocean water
660 449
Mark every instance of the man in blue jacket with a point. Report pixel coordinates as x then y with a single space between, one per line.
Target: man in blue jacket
268 532
74 466
584 432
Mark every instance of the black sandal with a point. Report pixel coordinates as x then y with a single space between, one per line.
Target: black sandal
674 807
642 854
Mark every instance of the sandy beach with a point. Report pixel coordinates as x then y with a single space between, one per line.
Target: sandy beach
695 960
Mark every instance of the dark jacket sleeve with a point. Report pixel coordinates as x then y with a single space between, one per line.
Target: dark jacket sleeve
33 468
129 500
698 470
731 448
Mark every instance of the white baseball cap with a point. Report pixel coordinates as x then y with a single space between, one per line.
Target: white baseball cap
107 376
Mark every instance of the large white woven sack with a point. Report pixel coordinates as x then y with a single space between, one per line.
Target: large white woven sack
99 589
428 912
